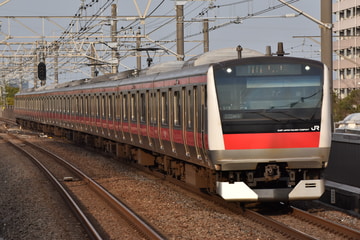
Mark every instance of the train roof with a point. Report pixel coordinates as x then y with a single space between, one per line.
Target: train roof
194 66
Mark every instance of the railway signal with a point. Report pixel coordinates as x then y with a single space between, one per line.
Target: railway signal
42 73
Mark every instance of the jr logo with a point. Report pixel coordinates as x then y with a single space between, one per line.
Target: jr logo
315 128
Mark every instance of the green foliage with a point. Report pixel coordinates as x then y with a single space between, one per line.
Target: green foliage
10 95
346 106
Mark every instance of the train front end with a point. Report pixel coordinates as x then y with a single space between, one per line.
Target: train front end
269 128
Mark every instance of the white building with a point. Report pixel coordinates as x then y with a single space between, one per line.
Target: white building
346 46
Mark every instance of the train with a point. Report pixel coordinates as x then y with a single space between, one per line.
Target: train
247 126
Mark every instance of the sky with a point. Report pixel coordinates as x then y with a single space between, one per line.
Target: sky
267 26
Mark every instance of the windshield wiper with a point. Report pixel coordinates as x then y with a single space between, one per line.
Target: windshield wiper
302 99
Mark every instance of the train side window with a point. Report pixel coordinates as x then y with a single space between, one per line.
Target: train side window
64 104
110 106
153 107
177 108
49 102
195 106
118 106
125 104
69 104
133 107
92 106
164 108
143 107
189 108
86 105
103 106
66 108
75 105
97 106
81 105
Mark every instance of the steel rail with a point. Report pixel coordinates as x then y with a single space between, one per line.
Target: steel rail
329 225
141 225
86 223
277 226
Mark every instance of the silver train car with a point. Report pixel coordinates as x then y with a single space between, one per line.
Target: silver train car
252 129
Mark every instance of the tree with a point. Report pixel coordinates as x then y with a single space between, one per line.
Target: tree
10 94
346 106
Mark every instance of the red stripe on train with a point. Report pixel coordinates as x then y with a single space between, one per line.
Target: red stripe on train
271 140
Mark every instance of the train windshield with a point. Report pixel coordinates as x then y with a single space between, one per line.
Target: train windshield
272 95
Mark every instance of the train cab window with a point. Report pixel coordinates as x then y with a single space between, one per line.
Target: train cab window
177 108
164 108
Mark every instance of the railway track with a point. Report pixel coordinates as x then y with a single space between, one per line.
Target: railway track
94 230
332 227
299 224
329 229
280 224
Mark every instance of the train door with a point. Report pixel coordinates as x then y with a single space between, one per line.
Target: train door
155 119
126 117
164 126
177 139
92 118
111 114
76 111
194 122
121 115
116 114
72 111
133 124
52 118
67 111
152 120
86 112
171 118
144 118
61 110
97 114
183 120
202 122
198 122
104 113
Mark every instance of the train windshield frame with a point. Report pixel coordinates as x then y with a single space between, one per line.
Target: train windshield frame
268 94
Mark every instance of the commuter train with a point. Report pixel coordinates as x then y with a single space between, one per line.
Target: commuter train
252 128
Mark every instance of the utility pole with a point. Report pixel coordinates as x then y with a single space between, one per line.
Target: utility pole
114 53
138 53
56 62
180 30
93 64
206 35
326 37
